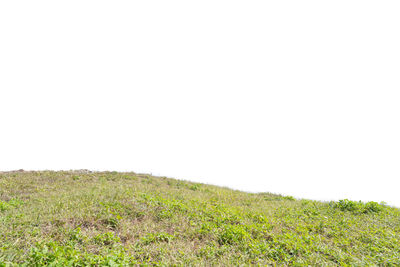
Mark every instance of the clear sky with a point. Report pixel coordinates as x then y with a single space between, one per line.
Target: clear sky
294 97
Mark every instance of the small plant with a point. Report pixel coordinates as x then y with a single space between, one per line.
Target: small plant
358 206
258 218
54 254
112 214
194 187
206 228
347 205
5 205
372 206
164 214
107 238
129 177
288 198
212 251
111 222
157 237
233 234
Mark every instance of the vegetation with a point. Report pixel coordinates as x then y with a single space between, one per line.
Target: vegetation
80 218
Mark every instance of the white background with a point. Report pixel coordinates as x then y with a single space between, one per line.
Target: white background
293 97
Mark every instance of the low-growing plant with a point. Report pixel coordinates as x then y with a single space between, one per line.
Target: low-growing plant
107 238
288 198
4 205
194 187
54 254
233 234
157 237
358 206
12 203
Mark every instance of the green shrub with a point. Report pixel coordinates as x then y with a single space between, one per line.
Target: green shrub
194 187
288 198
371 206
358 206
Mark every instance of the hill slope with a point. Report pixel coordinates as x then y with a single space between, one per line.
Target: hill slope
82 218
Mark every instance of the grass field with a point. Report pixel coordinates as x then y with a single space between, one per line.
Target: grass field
80 218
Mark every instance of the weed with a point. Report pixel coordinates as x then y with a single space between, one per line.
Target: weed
157 237
233 234
6 205
194 187
358 207
107 238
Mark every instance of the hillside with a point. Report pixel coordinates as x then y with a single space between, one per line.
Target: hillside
81 218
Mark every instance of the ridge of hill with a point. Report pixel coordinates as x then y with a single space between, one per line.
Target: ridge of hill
81 218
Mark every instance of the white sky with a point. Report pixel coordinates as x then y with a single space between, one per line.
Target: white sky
292 97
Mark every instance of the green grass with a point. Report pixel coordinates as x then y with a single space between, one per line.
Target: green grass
81 218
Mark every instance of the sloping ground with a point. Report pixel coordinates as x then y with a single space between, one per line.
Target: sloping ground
109 218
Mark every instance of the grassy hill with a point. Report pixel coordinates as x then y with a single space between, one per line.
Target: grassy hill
81 218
